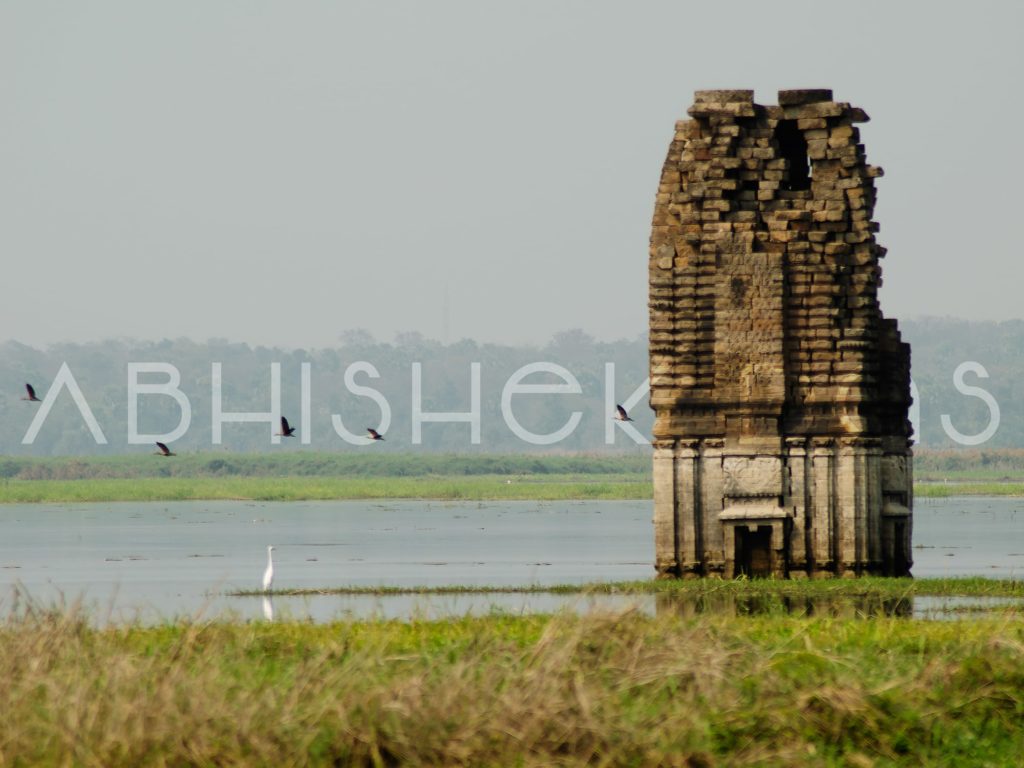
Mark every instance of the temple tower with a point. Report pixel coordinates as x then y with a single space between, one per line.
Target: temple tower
781 393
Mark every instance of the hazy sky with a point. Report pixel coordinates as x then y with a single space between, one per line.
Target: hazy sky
280 172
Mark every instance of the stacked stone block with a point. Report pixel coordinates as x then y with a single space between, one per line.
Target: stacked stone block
781 393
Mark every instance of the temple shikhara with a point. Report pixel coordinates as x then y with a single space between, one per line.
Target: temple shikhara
781 393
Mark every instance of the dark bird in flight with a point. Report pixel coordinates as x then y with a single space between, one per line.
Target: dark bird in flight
286 431
164 450
374 434
31 394
620 414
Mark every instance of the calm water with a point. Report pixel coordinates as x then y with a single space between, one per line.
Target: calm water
175 558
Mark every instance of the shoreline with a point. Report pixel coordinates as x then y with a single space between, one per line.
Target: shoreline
864 587
429 488
475 488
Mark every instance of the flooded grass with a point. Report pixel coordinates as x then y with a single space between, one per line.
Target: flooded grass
613 689
862 587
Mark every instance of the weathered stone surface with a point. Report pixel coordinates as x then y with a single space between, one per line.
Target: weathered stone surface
724 96
752 476
799 96
781 392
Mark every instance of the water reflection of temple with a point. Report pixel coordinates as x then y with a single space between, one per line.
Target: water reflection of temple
732 604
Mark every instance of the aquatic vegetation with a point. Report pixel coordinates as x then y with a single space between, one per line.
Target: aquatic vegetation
869 586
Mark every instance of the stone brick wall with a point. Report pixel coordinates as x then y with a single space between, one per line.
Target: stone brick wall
781 393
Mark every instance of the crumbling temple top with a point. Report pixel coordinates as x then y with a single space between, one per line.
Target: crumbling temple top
781 393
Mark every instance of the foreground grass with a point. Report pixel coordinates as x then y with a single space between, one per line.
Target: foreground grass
601 690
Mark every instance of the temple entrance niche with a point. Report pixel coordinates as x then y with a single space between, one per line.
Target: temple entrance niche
754 551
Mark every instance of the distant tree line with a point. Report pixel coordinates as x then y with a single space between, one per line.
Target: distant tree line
940 346
101 371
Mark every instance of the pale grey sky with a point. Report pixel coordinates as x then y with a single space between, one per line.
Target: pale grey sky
279 172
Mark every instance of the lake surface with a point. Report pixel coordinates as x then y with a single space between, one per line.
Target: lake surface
166 559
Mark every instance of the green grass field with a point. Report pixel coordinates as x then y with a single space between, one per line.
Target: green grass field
310 476
612 690
546 487
945 490
298 476
476 487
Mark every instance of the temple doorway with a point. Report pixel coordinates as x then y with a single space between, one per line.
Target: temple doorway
754 551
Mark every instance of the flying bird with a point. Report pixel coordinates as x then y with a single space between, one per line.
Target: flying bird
164 450
620 414
268 575
31 394
374 434
286 431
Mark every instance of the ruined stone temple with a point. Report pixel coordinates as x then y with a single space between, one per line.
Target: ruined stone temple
781 393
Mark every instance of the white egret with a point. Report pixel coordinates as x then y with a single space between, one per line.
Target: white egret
268 575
